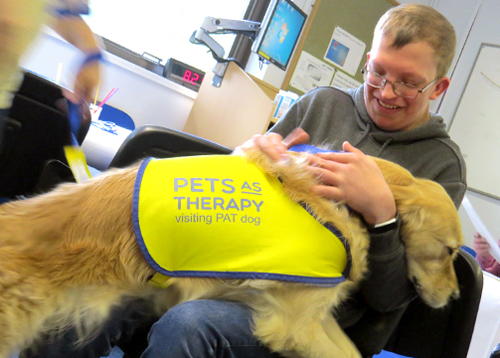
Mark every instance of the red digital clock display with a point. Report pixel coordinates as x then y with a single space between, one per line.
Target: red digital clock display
191 77
183 74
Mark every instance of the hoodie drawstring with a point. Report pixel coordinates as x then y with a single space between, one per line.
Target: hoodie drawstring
386 143
365 134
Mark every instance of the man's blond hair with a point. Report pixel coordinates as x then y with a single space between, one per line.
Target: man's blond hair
412 23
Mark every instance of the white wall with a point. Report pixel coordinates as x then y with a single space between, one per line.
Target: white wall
475 21
147 97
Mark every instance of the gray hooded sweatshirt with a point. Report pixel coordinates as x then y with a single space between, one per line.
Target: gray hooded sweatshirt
331 116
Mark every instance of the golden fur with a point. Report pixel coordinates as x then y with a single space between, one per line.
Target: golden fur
68 256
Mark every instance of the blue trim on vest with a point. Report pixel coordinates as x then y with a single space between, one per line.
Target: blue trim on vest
135 216
317 281
338 234
310 149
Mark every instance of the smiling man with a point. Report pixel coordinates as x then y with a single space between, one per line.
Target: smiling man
388 117
405 70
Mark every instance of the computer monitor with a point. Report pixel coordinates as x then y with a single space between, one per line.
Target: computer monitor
279 32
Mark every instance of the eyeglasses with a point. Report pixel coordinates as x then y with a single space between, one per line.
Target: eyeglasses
399 88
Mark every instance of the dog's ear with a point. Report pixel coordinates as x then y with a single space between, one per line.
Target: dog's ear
402 185
424 205
409 203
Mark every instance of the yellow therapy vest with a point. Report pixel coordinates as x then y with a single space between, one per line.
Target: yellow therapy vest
220 216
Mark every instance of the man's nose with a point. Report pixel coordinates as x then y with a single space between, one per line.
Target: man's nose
388 90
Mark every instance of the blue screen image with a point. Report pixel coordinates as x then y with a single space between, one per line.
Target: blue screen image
337 53
282 33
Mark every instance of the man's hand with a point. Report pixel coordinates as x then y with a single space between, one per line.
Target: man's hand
273 144
350 177
355 179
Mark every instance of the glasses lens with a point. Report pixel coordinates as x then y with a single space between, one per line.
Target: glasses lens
374 79
405 90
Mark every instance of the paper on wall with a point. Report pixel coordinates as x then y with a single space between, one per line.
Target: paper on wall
481 228
345 51
310 73
344 81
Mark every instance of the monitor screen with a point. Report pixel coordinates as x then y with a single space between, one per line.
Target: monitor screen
279 33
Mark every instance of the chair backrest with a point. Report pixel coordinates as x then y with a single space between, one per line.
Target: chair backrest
424 332
49 93
161 142
38 130
496 352
42 135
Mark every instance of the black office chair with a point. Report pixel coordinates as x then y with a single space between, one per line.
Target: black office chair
161 142
41 136
38 128
44 91
9 125
496 352
424 332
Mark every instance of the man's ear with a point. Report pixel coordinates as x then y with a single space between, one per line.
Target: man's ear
441 85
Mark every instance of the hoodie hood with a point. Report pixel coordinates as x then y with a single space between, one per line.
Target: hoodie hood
433 128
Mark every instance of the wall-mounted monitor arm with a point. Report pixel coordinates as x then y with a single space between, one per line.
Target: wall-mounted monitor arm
213 25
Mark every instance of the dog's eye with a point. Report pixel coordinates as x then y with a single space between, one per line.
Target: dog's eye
450 251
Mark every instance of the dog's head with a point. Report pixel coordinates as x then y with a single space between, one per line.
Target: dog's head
431 233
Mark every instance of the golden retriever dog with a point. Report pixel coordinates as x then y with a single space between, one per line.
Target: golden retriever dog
68 256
